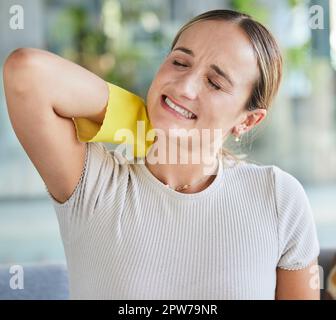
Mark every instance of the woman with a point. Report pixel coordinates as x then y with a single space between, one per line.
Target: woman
163 230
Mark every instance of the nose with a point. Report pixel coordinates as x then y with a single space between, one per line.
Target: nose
188 86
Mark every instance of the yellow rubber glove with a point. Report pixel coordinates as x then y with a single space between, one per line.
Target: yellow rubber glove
123 111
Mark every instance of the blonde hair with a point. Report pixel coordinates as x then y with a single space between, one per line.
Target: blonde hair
266 50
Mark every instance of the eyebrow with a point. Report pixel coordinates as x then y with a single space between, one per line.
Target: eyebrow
217 69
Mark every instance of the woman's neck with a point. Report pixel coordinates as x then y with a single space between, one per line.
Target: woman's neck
198 175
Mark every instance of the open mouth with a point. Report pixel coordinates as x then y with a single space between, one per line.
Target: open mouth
178 111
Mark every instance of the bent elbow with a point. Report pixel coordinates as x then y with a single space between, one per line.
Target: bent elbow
18 59
18 70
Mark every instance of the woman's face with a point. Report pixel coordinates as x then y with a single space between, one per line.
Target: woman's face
210 72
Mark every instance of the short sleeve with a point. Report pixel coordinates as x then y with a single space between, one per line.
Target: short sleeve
75 213
298 242
126 121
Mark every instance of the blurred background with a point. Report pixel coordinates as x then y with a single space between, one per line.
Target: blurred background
124 42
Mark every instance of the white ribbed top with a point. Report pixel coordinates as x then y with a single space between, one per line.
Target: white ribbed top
127 236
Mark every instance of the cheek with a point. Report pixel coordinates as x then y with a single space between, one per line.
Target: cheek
165 74
153 97
161 79
150 100
157 82
219 113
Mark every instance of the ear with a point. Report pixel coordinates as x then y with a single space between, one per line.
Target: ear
253 118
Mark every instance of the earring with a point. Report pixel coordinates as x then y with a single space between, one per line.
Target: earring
237 139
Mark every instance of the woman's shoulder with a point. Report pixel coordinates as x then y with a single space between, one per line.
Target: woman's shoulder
248 168
280 180
104 162
289 193
258 167
102 151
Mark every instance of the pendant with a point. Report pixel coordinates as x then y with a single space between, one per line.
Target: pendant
186 186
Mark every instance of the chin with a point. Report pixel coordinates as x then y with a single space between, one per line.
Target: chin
162 124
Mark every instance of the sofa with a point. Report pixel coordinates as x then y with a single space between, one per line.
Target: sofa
50 281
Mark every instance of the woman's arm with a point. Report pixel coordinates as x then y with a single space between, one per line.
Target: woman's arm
300 284
43 93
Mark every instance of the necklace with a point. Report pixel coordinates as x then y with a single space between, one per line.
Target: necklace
187 186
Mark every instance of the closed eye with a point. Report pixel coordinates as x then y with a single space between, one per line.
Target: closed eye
176 63
213 85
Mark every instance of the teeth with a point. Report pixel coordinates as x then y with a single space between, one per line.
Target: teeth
180 110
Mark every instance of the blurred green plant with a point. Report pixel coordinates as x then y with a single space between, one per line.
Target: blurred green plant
294 3
297 57
108 48
254 8
74 38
